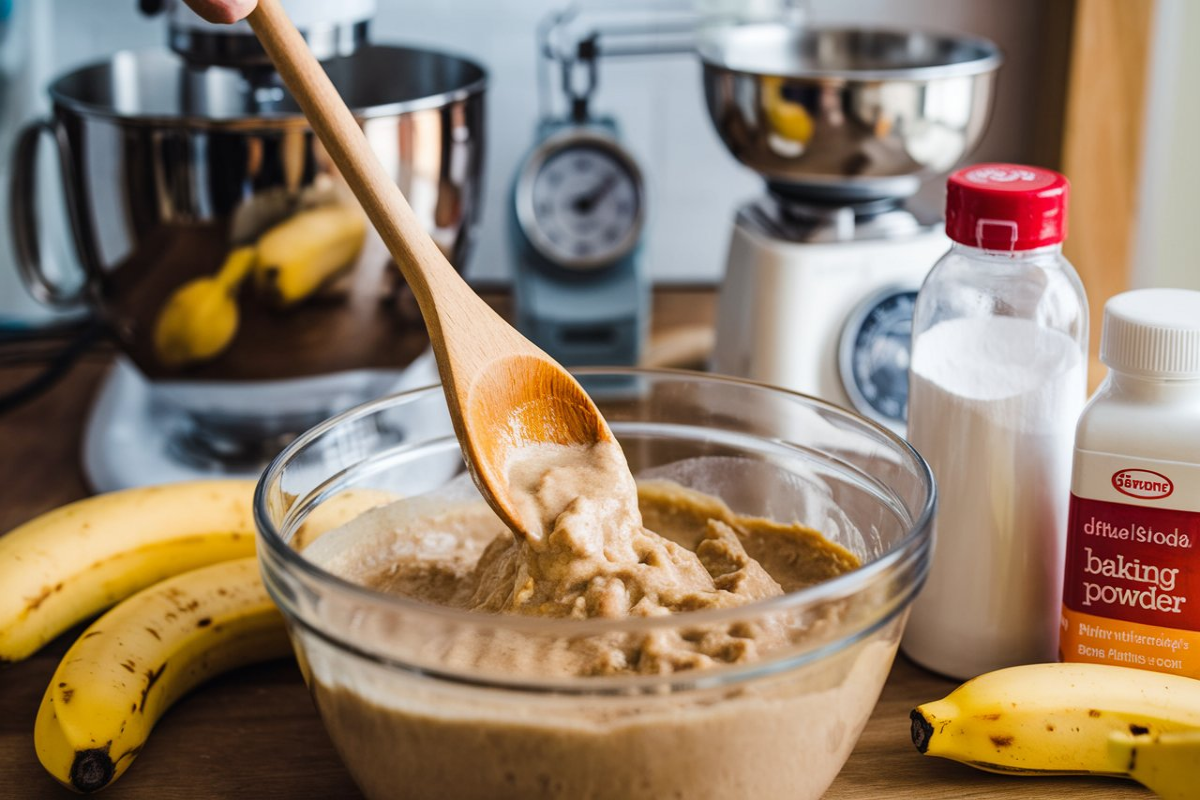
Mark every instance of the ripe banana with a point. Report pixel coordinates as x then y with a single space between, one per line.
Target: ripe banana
68 564
300 255
788 118
133 663
1166 763
200 318
1054 718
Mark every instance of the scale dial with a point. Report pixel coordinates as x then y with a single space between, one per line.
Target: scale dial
580 201
876 347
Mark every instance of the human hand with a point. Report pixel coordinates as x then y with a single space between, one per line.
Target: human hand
222 11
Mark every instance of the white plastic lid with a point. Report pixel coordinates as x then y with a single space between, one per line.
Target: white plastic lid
1153 332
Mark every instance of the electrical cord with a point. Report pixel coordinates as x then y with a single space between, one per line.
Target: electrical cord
58 367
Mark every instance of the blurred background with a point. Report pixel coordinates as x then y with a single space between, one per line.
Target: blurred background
693 184
750 186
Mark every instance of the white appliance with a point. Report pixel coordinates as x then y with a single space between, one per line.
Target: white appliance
820 300
843 124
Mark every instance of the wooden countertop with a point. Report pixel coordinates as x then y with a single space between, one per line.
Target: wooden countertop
254 733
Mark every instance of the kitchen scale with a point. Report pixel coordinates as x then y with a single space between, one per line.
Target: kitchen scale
823 269
581 292
581 289
852 272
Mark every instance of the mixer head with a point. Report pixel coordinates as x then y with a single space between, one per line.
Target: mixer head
331 29
847 114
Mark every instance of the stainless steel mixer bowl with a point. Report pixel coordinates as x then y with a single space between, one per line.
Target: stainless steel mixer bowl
847 113
167 169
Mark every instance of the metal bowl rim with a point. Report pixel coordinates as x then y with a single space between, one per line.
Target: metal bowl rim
266 120
990 60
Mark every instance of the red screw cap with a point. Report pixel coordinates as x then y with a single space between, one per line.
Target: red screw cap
1006 207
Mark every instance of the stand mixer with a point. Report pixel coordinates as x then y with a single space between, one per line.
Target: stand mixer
176 166
843 124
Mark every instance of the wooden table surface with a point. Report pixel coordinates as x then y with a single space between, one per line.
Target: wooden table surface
254 733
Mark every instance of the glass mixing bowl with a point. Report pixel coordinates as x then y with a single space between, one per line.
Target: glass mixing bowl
410 722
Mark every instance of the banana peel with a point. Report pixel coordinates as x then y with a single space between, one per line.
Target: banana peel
304 253
290 262
133 663
788 118
180 619
66 565
200 318
1071 719
1167 764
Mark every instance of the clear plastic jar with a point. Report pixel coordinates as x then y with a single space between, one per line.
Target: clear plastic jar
997 381
1132 589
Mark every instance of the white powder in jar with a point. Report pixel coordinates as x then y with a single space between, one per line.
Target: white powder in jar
993 405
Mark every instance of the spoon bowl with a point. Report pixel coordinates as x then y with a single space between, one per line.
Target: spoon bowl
516 401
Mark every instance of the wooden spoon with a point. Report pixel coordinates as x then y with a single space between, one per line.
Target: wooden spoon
503 392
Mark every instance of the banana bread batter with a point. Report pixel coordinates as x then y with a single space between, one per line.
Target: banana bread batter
597 545
588 553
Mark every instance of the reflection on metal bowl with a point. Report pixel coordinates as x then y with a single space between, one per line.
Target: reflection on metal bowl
850 112
170 169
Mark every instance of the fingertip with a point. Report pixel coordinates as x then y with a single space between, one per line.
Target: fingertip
225 12
244 7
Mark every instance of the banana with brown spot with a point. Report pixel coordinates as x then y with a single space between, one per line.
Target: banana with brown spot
307 251
133 663
1166 763
71 563
1043 719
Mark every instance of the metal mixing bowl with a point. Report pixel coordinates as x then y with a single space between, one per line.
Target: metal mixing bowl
846 112
167 169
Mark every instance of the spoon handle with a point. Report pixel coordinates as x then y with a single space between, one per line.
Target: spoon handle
430 276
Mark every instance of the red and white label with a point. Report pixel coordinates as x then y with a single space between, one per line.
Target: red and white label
1133 563
1143 483
1131 591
